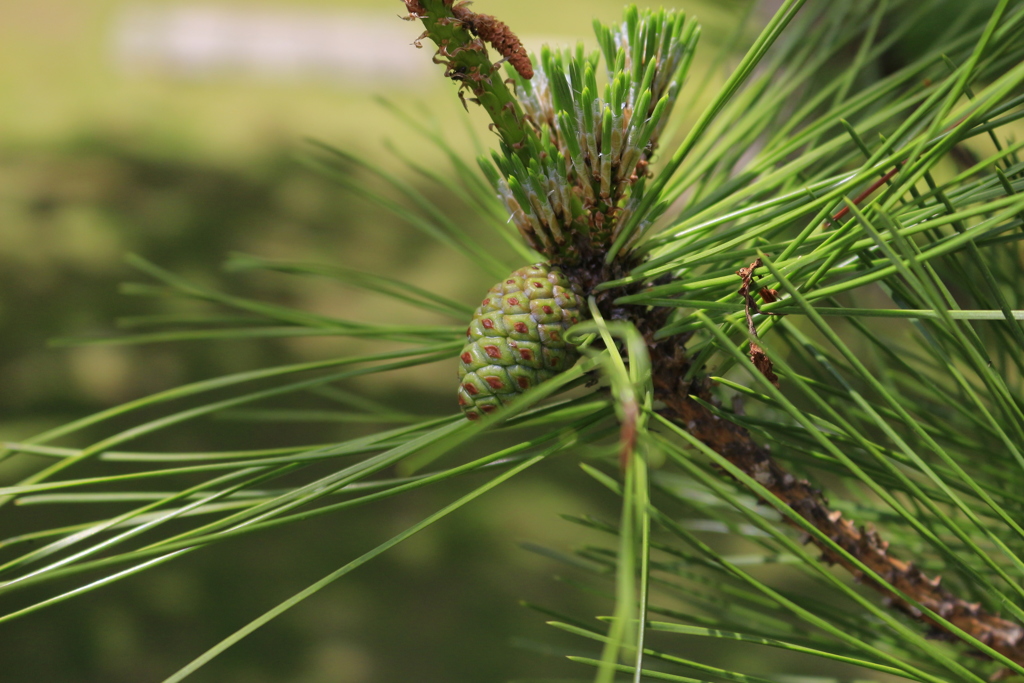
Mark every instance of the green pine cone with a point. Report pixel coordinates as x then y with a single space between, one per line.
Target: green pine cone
516 339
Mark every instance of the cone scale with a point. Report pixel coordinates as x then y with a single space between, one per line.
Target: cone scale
516 339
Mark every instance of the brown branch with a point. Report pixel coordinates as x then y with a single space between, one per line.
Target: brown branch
865 194
758 356
415 10
499 35
735 444
885 179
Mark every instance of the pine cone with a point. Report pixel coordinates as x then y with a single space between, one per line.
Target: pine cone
516 339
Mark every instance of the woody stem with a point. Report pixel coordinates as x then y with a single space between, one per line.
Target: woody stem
736 445
468 64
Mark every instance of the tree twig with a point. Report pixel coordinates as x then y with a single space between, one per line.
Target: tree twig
736 445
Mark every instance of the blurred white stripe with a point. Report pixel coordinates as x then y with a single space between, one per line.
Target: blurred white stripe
200 40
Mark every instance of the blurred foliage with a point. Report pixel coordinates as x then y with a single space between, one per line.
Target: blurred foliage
72 213
95 164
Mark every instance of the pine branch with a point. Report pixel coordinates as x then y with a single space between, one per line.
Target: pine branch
571 170
460 35
580 134
685 405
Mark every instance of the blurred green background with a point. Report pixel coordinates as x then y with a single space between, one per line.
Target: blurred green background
174 130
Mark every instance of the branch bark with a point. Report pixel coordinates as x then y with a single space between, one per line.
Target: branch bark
736 444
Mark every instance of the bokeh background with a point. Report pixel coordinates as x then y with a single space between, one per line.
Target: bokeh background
176 130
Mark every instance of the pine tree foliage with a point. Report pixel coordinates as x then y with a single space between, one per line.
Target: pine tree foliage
831 250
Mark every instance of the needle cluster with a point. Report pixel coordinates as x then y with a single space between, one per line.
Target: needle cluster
582 169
